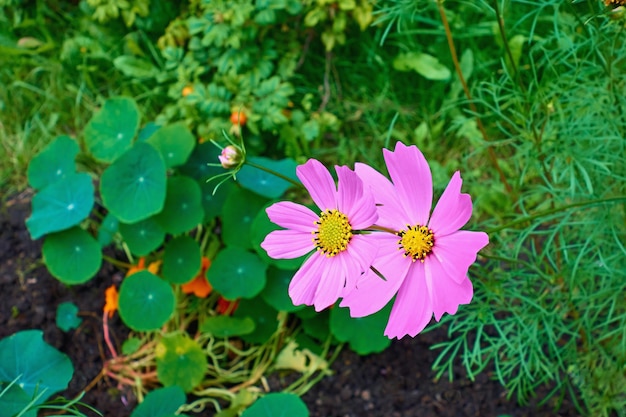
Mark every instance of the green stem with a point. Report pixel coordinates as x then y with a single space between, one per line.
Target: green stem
556 210
117 263
277 174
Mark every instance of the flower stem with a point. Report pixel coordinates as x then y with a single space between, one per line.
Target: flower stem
556 210
479 123
277 174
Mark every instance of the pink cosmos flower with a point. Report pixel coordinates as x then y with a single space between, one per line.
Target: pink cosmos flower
340 256
425 261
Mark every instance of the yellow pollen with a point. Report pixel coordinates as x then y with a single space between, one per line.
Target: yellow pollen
333 232
416 242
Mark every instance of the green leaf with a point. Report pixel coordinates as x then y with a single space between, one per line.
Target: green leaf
133 187
265 319
213 203
53 163
67 318
237 273
37 366
261 227
181 260
161 402
14 400
142 237
426 65
365 334
224 326
132 66
147 131
146 302
107 229
180 361
131 345
276 289
277 405
72 256
262 182
61 205
197 164
182 210
240 208
110 131
175 143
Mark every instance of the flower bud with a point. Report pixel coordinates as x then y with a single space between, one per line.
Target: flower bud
230 157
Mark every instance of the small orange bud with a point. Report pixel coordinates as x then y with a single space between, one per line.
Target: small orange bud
238 118
199 285
187 90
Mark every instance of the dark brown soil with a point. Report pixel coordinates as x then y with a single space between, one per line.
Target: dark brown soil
396 383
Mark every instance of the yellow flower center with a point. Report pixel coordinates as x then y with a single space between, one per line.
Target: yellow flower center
416 242
333 232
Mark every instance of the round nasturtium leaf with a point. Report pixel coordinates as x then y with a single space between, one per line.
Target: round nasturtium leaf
37 366
276 289
131 345
53 163
61 205
225 326
147 131
161 402
72 256
365 334
277 404
133 187
175 143
260 228
265 319
181 260
182 210
180 361
142 237
111 131
262 182
237 273
197 165
14 400
240 209
108 228
67 317
146 302
213 199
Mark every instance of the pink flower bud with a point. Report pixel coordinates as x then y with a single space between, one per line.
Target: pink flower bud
230 157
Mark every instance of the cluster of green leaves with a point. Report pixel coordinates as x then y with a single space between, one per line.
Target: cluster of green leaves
541 149
146 190
223 58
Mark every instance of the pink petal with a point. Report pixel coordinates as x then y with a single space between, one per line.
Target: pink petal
352 200
330 285
412 310
305 281
292 216
457 252
453 209
363 249
413 181
352 271
319 183
287 244
446 294
390 212
372 292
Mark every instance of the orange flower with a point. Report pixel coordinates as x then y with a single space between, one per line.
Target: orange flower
226 307
141 265
110 300
199 285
